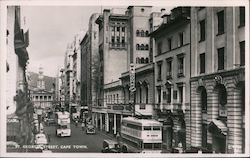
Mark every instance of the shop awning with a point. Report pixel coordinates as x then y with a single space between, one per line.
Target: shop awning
217 126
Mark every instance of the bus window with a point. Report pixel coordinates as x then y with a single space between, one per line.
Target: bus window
147 128
148 145
157 145
156 128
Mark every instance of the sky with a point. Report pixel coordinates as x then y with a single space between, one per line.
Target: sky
51 28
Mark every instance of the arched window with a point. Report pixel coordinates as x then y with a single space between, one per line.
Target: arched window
146 33
146 61
142 60
138 60
137 33
142 33
222 95
142 47
204 100
137 47
146 47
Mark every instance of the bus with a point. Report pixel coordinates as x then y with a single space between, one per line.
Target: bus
62 124
141 135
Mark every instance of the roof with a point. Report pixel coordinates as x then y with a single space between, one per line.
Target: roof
49 81
142 122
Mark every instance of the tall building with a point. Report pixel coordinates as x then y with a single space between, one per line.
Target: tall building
90 64
172 74
68 76
218 79
18 105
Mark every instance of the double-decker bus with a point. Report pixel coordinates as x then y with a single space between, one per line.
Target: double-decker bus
62 124
141 135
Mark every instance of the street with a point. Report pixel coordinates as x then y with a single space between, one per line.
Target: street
78 142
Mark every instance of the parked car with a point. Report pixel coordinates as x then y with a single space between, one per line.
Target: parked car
90 129
110 146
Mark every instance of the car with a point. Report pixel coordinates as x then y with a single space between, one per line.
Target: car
41 139
110 146
90 129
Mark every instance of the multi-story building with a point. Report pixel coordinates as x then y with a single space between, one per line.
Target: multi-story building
42 90
18 105
90 64
218 79
172 74
113 55
68 76
76 68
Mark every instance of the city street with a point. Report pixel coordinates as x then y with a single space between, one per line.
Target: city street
78 142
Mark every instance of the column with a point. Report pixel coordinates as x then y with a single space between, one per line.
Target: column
101 121
96 120
107 122
114 123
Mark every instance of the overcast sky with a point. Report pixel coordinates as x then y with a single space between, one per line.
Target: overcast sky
51 28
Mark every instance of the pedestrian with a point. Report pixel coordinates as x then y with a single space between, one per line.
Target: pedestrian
76 122
83 124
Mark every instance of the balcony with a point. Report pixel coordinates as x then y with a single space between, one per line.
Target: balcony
118 45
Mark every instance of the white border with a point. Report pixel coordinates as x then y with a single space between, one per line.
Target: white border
158 3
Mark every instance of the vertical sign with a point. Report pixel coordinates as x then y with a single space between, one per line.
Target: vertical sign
132 78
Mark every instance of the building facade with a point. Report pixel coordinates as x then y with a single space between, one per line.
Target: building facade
218 79
42 90
172 74
18 104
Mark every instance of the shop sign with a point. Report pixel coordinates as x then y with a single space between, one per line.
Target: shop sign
223 112
132 78
118 107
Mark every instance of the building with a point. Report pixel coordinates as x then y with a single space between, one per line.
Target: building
76 68
18 104
113 55
90 63
172 74
218 79
42 90
68 77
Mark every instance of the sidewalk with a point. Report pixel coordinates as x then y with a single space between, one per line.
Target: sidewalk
109 135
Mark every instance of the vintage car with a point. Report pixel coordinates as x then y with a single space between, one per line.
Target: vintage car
90 129
110 146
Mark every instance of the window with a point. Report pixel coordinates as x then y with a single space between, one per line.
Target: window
180 88
220 16
147 128
169 95
181 38
202 30
159 71
221 58
146 47
204 100
146 93
159 48
180 66
169 69
148 146
159 94
156 128
123 29
123 41
242 53
146 33
242 16
140 95
222 95
202 63
113 40
146 61
142 46
137 33
169 44
137 47
142 33
118 29
142 60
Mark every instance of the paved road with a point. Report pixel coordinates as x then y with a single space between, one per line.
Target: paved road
78 142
